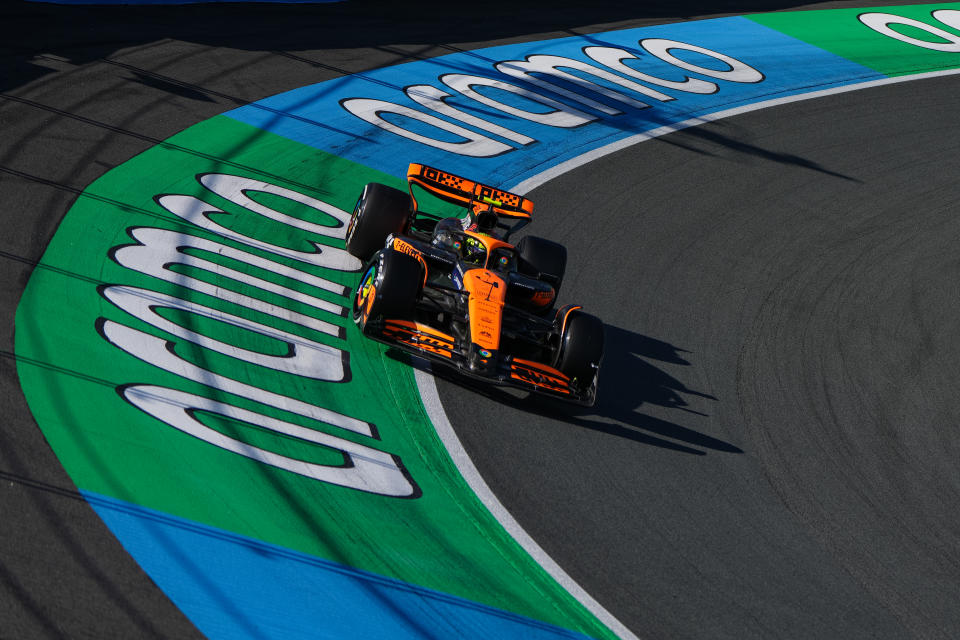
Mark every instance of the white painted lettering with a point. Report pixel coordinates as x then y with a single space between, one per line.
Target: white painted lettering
197 212
881 23
159 353
738 71
613 58
550 66
560 115
949 17
160 249
304 357
364 468
474 144
236 188
433 98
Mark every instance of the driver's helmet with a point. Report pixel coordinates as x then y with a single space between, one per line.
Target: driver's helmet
447 234
473 251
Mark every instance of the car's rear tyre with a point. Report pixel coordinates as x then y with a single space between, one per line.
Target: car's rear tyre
380 211
543 259
581 348
388 288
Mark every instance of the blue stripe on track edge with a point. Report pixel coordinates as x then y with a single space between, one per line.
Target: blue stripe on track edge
232 586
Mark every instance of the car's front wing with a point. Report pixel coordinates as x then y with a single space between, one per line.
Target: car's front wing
437 346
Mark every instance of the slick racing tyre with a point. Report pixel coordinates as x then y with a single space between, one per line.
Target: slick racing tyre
380 211
389 288
543 259
581 349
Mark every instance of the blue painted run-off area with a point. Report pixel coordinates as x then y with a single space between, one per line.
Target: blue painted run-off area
235 587
314 116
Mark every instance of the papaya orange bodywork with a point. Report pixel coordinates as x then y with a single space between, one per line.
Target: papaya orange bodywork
488 293
539 374
419 336
419 327
453 188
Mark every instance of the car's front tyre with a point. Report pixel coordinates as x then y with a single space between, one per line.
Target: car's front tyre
388 288
581 350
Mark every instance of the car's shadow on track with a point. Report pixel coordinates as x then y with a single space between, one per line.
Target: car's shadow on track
628 381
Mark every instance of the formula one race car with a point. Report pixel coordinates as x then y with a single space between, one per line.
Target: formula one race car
455 291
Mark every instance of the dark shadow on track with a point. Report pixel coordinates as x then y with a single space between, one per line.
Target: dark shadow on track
50 30
627 382
716 138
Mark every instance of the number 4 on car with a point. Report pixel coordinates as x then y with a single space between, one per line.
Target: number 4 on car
456 291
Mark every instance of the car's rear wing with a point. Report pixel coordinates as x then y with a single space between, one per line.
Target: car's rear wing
467 193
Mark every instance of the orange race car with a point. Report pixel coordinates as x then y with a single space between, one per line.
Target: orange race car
454 290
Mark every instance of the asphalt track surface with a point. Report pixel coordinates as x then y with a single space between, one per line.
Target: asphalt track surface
774 450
